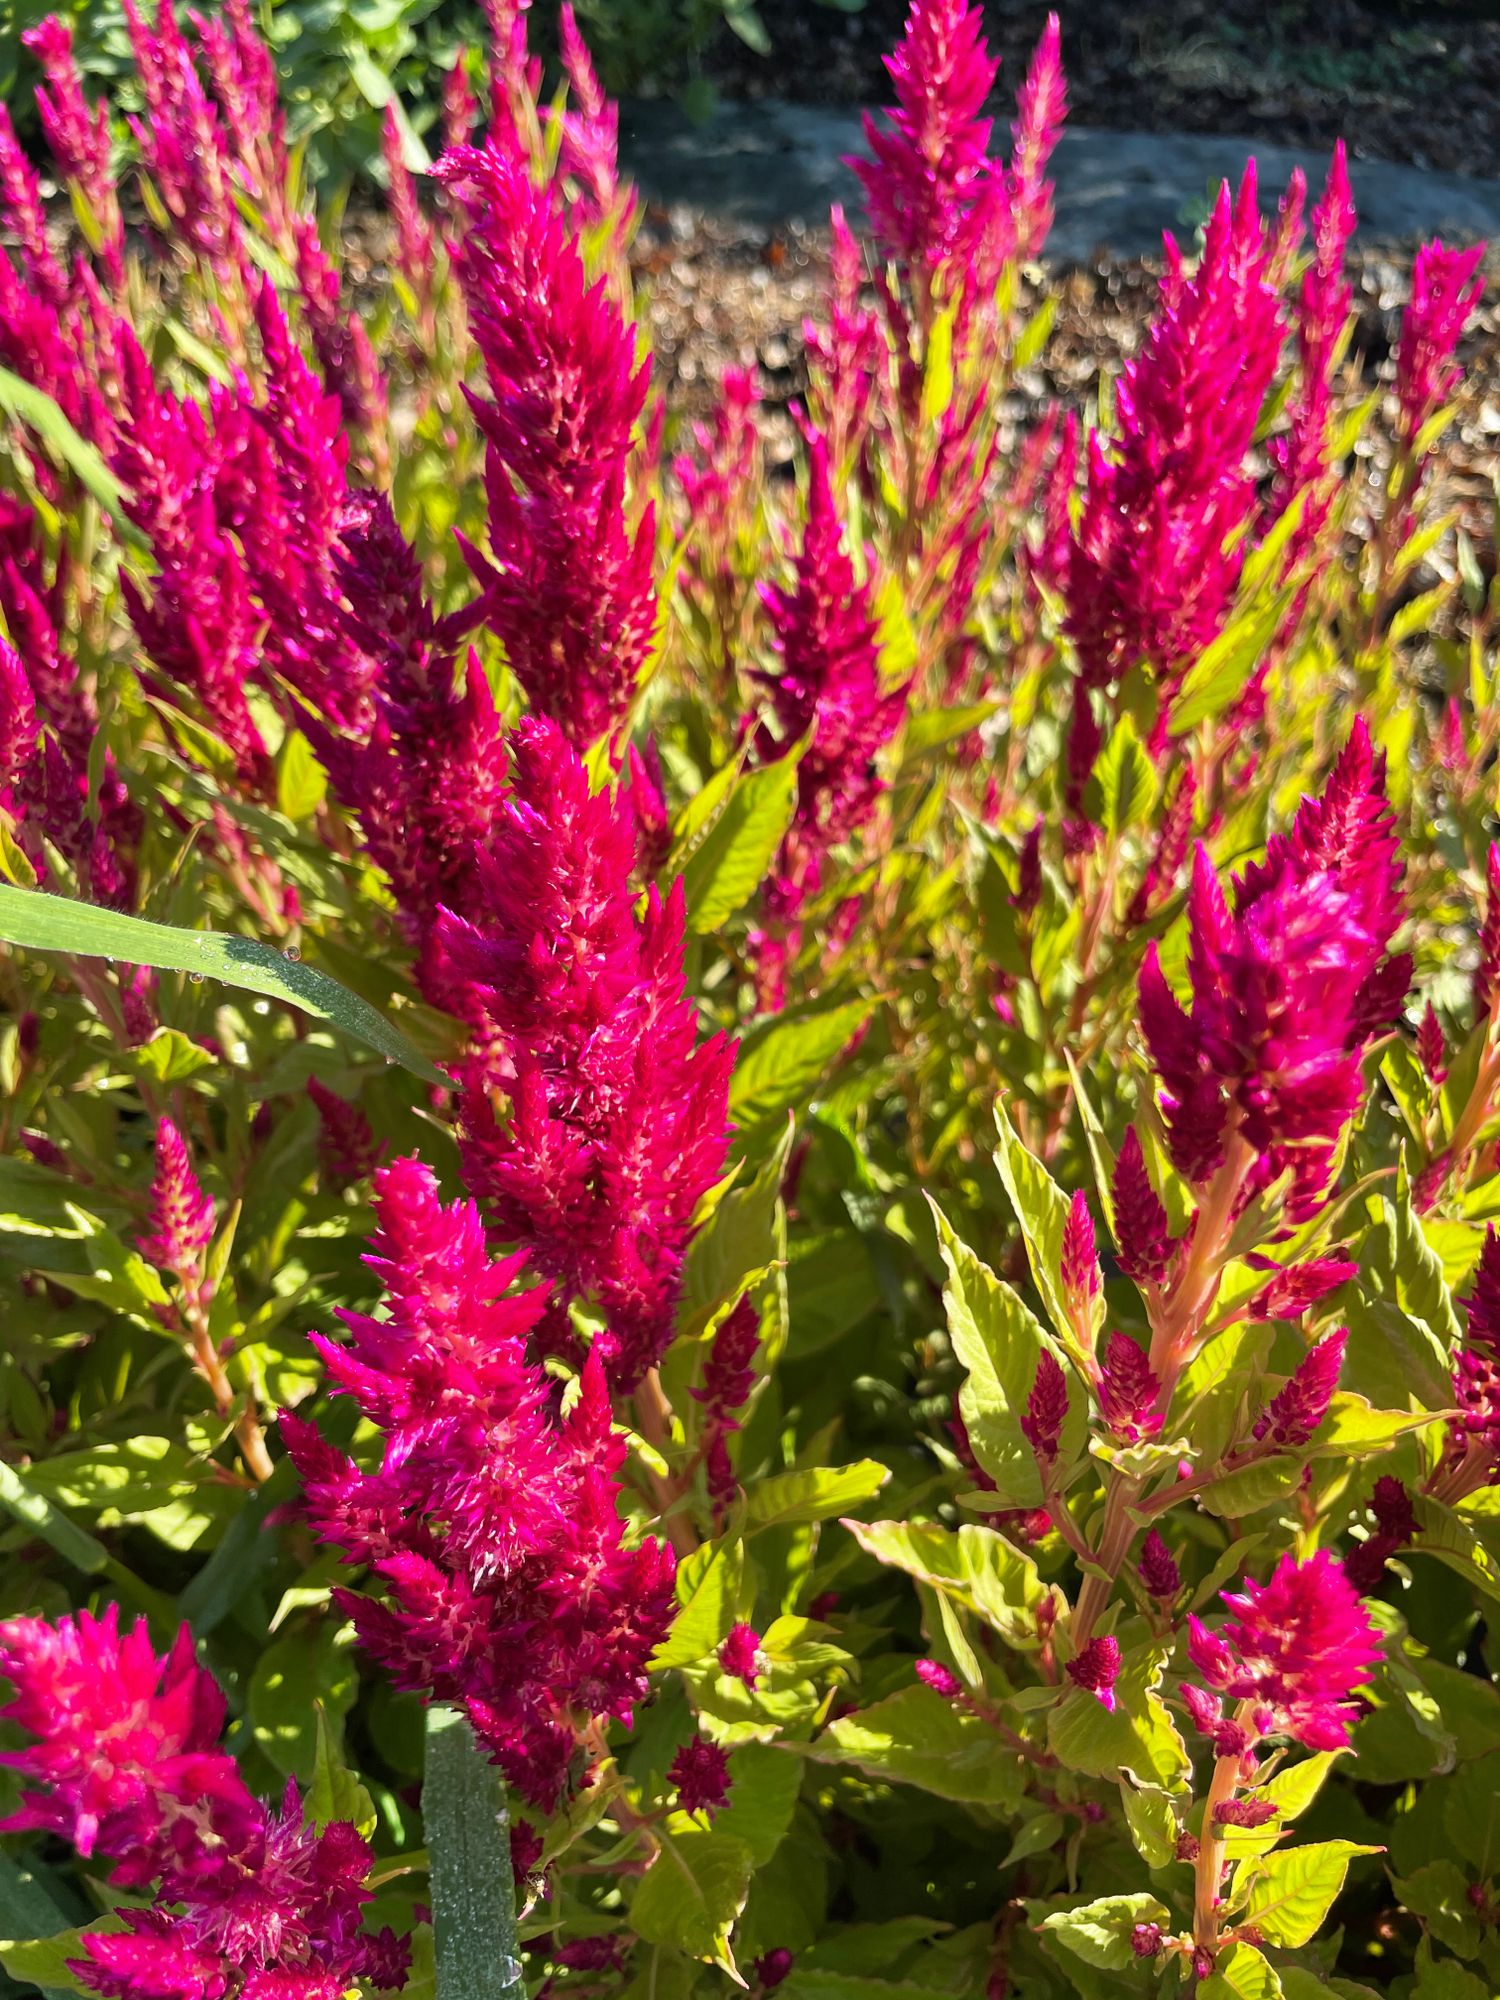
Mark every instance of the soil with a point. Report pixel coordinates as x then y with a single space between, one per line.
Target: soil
1398 79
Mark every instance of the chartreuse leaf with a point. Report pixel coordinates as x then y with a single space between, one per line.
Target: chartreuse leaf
335 1792
1099 1932
1291 1892
782 1058
1152 1823
737 1244
973 1567
56 923
710 1583
1042 1210
734 856
1122 788
468 1843
44 1962
1137 1736
692 1893
816 1494
918 1738
763 1786
1240 1973
40 1950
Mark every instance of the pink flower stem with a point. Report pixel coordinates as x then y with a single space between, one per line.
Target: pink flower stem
1209 1868
209 1363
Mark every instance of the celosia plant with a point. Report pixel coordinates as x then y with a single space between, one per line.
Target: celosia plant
748 1224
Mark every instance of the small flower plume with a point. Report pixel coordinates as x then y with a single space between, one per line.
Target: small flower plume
79 138
1294 1413
617 1112
1444 292
1160 1576
1287 984
181 1223
931 164
700 1771
1297 1647
739 1654
347 1147
567 584
1152 570
249 1903
1487 971
1145 1241
1296 1288
1046 1408
1128 1391
1041 107
1079 1272
492 1524
1097 1668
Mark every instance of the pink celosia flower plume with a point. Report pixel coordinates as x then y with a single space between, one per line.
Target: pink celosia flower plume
1152 571
616 1125
1296 1648
1288 982
79 138
491 1525
249 1903
1444 292
567 582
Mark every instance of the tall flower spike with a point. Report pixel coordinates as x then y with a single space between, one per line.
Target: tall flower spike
181 1223
1287 985
1046 1408
1298 1647
1041 107
1128 1391
930 161
1142 1232
1153 570
79 138
1296 1410
1487 971
492 1526
1080 1274
1444 292
617 1124
567 583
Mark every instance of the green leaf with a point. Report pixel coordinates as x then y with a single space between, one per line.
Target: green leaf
972 1566
693 1892
1439 1894
1099 1932
1218 676
335 1792
710 1583
49 1524
736 853
1042 1210
781 1059
1240 1973
468 1841
1152 1823
918 1738
763 1786
43 1962
1443 1979
55 923
301 781
1124 780
817 1494
998 1342
40 414
1293 1891
738 1243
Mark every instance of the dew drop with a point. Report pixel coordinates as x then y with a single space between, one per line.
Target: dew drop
502 1818
292 953
196 978
509 1970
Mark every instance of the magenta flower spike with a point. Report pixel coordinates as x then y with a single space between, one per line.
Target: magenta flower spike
79 138
181 1223
1297 1648
491 1527
1295 1411
1097 1668
1152 571
1041 107
700 1771
617 1125
27 218
1288 983
930 161
1046 1409
1444 292
567 582
739 1654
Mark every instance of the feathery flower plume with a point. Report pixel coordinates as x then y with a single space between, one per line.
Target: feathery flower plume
825 690
24 213
1081 1277
931 164
1128 1391
492 1526
183 144
248 1901
1296 1288
1160 1576
739 1654
1144 1238
1041 107
567 584
942 1680
700 1771
1287 984
617 1122
1444 292
590 150
1395 1529
1296 1410
1097 1668
1301 456
347 1147
1046 1408
1432 1046
846 356
1152 575
79 138
460 106
1297 1646
415 245
181 1223
1487 971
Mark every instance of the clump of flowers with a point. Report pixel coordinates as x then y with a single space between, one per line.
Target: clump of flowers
491 1525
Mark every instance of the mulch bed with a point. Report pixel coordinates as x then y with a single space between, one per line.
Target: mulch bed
1399 79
